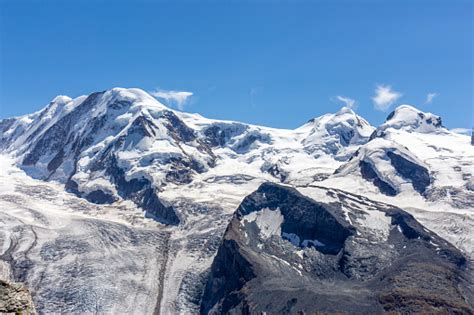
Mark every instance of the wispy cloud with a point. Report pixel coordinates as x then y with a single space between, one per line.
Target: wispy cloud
174 98
430 97
384 97
348 102
463 131
253 93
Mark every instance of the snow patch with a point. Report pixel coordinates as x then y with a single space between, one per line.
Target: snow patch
268 221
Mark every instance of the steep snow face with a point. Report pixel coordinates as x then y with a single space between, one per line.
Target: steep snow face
408 118
336 134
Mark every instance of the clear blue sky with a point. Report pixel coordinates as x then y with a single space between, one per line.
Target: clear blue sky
273 63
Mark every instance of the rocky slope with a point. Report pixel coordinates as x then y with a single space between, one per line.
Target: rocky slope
285 253
15 299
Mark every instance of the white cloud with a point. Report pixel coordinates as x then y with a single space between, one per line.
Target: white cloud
253 94
348 102
430 97
385 97
463 131
177 98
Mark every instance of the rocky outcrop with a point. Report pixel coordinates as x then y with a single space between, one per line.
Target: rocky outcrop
417 174
15 299
303 218
276 170
219 134
285 253
368 173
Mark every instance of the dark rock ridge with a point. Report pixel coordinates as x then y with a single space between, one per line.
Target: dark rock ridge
369 174
138 190
219 134
359 270
406 168
417 174
302 216
275 170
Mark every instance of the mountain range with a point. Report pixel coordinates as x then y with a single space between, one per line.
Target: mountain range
113 202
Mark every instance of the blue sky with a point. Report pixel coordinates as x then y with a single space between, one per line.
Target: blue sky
273 63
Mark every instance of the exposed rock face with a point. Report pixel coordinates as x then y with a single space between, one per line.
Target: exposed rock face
369 174
417 174
219 134
303 219
285 253
15 299
275 170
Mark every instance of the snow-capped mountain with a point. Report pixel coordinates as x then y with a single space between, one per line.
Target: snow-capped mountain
336 134
104 155
410 119
124 144
411 152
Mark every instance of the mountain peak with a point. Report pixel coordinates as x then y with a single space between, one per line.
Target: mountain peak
343 114
408 118
409 115
61 99
345 110
133 96
332 132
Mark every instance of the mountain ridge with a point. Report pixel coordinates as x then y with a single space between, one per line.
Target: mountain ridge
128 132
93 171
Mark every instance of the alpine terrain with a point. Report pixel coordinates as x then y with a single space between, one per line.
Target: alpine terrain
114 203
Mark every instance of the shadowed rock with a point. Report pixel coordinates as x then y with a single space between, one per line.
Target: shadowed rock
378 259
369 174
417 174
